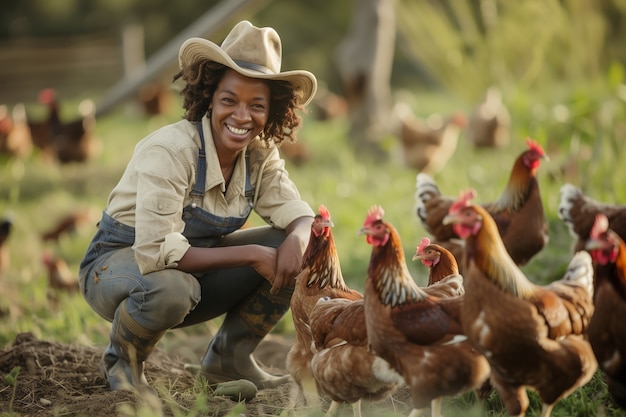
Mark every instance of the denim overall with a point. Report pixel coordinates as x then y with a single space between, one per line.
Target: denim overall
171 298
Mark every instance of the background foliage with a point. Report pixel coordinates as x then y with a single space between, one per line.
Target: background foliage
560 65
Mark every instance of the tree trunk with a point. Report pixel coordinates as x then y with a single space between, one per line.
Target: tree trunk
365 61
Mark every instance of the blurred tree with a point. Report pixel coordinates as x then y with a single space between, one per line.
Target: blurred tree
365 61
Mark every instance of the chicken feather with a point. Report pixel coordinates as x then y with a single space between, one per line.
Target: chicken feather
418 334
518 211
607 329
320 276
525 330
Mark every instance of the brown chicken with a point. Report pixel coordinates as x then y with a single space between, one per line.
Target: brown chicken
607 329
72 141
69 224
59 275
155 98
532 335
489 123
443 270
419 335
579 211
41 131
320 277
15 138
518 212
427 145
343 366
5 231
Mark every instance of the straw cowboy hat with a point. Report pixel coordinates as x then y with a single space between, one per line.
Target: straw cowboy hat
251 51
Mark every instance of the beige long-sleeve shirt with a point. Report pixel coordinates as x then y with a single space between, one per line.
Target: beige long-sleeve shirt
157 182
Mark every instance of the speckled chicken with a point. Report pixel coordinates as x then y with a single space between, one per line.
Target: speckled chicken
532 335
419 335
578 211
607 329
320 276
343 366
518 213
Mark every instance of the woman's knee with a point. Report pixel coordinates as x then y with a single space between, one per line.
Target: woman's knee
173 294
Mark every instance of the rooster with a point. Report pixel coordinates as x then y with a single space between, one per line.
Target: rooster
607 330
343 366
532 335
72 141
579 211
320 276
489 123
419 335
443 270
518 212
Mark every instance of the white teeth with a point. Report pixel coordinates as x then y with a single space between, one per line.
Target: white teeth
237 131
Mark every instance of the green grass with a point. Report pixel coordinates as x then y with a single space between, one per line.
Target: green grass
35 193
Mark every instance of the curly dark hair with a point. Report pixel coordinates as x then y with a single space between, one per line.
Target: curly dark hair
202 78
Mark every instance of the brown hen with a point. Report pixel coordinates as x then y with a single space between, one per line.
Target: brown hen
320 277
489 123
518 213
419 335
607 330
532 335
427 145
444 279
15 137
343 366
579 211
60 277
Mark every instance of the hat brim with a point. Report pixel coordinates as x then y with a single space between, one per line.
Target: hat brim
196 49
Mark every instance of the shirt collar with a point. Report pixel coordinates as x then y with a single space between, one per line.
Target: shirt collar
214 176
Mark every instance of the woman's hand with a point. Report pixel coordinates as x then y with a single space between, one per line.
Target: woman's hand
265 262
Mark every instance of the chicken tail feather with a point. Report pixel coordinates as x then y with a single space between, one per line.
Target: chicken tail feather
425 189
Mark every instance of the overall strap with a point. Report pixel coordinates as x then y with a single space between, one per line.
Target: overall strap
249 191
199 186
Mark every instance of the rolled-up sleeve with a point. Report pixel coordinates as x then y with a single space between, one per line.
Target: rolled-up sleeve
162 178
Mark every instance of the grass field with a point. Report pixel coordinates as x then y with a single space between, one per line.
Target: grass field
586 127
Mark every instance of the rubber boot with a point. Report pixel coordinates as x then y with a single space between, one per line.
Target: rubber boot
229 355
122 363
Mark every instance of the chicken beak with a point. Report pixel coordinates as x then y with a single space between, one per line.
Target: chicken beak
327 223
417 257
593 244
546 157
363 231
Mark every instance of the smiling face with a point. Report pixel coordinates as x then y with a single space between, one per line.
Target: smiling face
239 111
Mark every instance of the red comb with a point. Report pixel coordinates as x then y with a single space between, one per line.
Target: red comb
373 214
420 248
600 226
46 96
323 211
534 145
465 200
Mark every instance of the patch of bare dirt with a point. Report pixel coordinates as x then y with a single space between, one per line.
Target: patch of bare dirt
59 379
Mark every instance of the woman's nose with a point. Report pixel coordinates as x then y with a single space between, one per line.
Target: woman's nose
242 113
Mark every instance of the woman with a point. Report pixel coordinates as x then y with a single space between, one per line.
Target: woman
168 251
